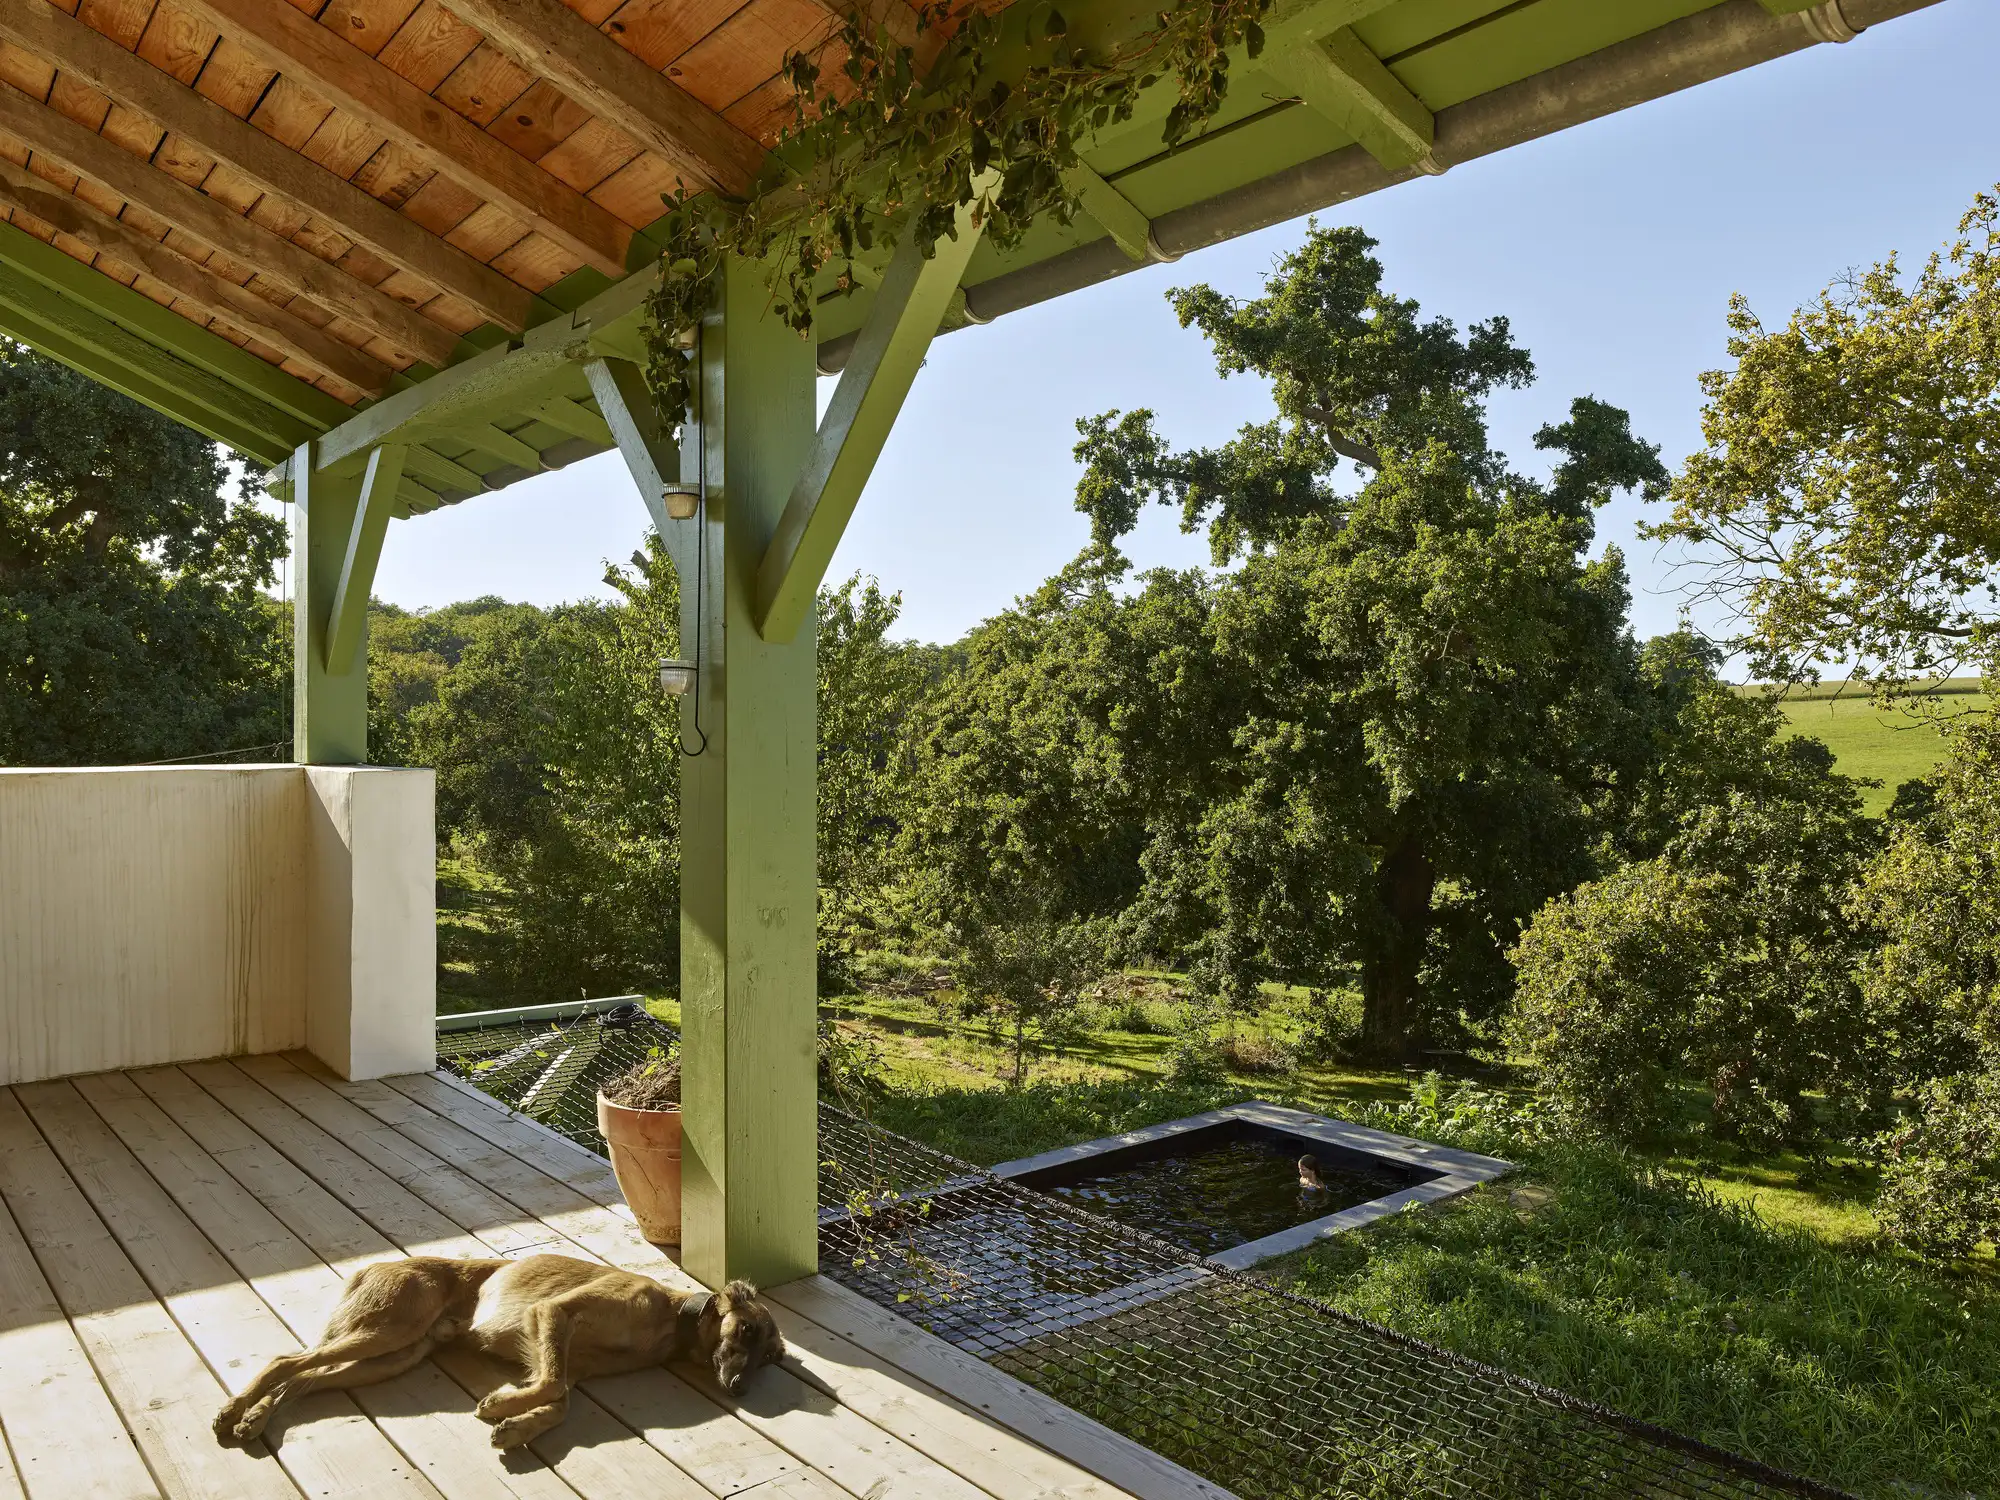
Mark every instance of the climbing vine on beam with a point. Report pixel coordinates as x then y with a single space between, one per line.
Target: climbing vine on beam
883 144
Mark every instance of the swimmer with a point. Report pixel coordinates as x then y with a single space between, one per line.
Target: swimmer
1309 1179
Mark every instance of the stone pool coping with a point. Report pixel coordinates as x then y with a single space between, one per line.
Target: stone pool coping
1459 1171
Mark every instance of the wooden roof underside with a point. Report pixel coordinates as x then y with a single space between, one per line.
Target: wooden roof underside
265 215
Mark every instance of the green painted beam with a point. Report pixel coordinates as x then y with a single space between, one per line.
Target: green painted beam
329 708
1339 78
348 614
284 409
748 890
911 302
1114 213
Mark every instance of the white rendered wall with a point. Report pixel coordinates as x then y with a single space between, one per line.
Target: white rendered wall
157 915
371 919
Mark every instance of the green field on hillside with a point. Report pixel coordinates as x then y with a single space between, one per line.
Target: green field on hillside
1888 745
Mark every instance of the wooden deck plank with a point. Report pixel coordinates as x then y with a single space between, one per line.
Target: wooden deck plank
595 1454
152 1373
301 1288
431 1203
611 1236
323 1442
899 1360
66 1435
856 1455
336 1234
10 1482
977 1447
528 1139
699 1436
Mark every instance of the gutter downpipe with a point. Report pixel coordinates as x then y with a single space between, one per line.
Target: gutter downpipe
1710 44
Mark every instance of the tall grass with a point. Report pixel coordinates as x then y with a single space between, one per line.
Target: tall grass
1640 1289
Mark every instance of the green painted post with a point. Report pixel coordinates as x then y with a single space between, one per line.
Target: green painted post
329 710
748 895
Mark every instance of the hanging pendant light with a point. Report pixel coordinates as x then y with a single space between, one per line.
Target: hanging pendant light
676 677
681 501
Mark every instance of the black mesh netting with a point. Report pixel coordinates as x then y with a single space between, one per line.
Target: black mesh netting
1272 1395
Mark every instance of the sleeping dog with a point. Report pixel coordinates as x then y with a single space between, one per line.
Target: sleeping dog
555 1319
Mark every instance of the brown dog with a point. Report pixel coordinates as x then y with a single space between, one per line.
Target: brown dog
556 1319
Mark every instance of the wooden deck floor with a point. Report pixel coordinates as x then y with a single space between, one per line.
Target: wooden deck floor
167 1231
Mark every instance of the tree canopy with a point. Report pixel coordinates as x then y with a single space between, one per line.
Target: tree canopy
133 619
1842 503
1416 696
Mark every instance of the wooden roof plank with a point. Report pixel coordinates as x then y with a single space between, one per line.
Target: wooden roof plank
549 39
284 38
268 163
133 178
214 295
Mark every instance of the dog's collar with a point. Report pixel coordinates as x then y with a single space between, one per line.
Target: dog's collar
688 1318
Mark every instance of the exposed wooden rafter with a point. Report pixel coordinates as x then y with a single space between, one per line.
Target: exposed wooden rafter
318 59
55 135
548 38
200 288
89 55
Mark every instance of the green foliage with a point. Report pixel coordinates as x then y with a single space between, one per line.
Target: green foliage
1934 990
1413 701
1941 1168
1729 959
1026 967
871 692
1843 499
557 761
133 619
1935 895
899 140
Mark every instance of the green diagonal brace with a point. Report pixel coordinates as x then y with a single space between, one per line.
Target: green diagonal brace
364 551
651 456
887 354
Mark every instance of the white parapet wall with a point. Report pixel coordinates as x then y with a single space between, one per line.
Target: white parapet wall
157 915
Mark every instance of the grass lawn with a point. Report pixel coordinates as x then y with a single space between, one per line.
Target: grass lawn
1888 746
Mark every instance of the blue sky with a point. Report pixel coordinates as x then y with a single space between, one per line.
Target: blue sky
1613 249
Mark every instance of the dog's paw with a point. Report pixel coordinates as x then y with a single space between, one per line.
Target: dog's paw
495 1405
515 1431
237 1423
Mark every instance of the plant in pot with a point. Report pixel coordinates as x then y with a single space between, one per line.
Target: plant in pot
639 1115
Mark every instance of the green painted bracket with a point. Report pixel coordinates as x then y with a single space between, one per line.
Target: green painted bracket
1339 78
364 551
651 456
1130 230
912 301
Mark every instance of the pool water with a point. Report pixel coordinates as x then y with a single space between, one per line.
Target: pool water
1217 1195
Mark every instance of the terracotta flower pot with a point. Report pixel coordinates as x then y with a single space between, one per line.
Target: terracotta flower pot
646 1154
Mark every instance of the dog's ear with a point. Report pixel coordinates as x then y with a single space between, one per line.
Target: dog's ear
739 1296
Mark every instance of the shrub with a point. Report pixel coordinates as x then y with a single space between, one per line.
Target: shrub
1728 959
1941 1170
1255 1052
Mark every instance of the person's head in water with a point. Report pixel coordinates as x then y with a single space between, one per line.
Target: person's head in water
1309 1177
